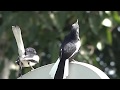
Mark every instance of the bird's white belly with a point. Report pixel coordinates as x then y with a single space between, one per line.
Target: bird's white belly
25 63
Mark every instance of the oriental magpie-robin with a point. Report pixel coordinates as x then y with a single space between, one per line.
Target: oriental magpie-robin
69 48
27 57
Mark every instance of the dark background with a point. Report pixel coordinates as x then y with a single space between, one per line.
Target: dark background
44 31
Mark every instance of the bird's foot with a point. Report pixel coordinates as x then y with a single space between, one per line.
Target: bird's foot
32 68
73 60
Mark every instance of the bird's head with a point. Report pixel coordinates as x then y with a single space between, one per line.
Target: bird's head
30 50
75 27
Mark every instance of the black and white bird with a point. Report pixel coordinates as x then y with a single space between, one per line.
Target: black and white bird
69 48
27 57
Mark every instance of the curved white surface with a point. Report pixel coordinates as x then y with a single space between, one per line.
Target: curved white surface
78 70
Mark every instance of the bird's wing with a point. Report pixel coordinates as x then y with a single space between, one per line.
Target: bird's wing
17 34
32 58
68 50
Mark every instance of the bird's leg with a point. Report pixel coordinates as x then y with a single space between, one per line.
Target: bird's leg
73 60
20 71
30 66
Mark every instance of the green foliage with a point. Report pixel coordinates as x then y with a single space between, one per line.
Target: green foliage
45 30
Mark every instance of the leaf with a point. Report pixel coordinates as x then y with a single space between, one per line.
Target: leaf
94 23
116 17
109 36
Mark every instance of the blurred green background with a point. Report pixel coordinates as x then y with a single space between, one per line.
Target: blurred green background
45 30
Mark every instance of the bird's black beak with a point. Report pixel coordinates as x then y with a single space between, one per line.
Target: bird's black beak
75 24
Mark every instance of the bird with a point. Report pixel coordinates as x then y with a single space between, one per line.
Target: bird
27 57
68 50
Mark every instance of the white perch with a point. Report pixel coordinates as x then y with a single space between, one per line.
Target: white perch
78 70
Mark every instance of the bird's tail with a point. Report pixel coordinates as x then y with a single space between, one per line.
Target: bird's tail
60 69
66 68
54 68
17 34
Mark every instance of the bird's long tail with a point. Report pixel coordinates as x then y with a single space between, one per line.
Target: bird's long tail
54 68
66 69
60 69
17 34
